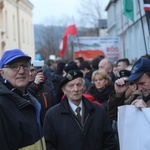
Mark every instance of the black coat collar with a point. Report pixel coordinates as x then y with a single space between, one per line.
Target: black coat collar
65 108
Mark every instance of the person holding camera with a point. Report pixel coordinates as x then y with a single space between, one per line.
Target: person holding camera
40 90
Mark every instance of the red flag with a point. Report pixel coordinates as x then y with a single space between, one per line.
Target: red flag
70 30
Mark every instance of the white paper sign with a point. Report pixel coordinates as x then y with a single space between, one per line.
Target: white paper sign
134 128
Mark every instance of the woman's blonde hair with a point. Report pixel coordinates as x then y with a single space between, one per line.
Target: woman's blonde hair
102 74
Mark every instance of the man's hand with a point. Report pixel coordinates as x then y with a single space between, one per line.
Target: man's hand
39 78
139 103
121 86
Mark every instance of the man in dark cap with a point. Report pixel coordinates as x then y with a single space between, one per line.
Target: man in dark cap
19 110
140 75
76 123
125 92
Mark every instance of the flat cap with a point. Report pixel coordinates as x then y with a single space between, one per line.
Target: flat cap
71 75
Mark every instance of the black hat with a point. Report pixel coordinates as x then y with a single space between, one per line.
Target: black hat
124 73
140 67
71 75
69 67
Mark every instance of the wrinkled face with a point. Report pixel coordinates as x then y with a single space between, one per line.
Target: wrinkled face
74 90
103 65
100 82
143 84
32 73
17 73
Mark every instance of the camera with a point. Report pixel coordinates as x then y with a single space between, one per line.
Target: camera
38 64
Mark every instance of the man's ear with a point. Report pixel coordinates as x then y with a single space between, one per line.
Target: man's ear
134 87
63 90
2 72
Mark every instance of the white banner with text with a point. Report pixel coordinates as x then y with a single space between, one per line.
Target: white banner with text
91 47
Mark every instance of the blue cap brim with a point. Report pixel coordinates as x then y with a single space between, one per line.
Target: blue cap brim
13 58
11 55
134 77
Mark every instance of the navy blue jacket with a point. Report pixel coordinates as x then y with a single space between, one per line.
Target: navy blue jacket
19 122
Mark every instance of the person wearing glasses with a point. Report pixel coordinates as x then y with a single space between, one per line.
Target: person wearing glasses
19 110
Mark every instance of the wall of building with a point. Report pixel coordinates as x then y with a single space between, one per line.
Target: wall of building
130 33
16 24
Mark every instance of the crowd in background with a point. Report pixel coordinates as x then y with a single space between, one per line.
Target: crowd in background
101 78
44 99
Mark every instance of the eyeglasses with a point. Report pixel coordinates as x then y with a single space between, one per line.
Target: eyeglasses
16 67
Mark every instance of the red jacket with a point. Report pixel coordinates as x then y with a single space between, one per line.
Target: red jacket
92 99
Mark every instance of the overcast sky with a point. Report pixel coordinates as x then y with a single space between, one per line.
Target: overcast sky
45 9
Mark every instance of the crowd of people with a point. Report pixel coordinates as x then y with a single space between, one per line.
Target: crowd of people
67 105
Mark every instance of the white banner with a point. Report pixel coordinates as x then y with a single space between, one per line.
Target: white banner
134 128
90 47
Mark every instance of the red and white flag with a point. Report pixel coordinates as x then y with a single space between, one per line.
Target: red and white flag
147 5
70 30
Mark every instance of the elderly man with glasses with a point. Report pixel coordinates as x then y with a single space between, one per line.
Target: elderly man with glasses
19 110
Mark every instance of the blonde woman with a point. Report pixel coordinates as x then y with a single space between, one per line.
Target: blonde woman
102 87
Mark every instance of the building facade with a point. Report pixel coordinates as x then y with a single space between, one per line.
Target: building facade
16 27
133 35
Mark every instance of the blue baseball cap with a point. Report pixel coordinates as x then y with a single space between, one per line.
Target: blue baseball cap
11 55
141 66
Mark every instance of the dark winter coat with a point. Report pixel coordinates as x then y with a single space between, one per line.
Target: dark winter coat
53 83
19 121
115 101
62 130
103 95
44 95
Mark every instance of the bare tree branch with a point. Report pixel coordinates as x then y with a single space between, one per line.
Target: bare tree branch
91 11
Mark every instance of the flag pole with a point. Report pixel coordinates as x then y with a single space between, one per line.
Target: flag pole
122 34
79 46
78 41
142 27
